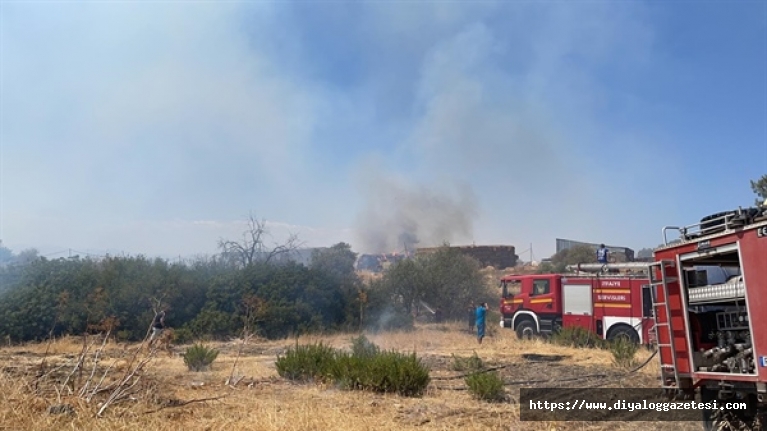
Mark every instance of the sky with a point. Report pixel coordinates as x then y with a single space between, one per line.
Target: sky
157 128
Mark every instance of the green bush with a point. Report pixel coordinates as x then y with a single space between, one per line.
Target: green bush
349 371
577 336
184 335
307 362
486 386
362 347
396 372
472 363
365 368
199 357
623 351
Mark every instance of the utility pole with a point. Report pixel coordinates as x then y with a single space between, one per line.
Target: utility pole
531 253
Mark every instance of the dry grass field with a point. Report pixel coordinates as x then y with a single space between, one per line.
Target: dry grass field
169 397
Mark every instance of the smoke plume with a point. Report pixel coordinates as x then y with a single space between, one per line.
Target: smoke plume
399 216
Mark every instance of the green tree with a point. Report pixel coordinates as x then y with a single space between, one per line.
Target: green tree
10 274
337 263
551 268
6 255
383 309
209 297
27 255
445 279
405 281
452 280
760 188
569 256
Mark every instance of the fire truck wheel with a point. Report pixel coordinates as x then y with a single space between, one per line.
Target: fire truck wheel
624 331
715 420
710 422
526 330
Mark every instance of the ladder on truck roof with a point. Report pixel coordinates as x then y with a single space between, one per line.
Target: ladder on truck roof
657 304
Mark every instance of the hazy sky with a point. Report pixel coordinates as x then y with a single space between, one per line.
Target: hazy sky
156 127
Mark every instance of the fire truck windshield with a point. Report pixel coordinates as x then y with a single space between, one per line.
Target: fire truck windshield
510 288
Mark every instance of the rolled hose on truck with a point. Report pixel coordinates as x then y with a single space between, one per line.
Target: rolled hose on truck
728 219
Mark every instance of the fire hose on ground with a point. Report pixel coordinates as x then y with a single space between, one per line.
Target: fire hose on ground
522 382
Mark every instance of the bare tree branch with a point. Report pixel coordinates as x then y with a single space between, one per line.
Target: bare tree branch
253 248
291 245
124 386
96 358
78 364
157 303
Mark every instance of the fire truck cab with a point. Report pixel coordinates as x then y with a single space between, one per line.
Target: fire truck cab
609 305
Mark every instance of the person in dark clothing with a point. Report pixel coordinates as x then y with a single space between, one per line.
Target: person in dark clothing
472 316
438 315
158 325
602 254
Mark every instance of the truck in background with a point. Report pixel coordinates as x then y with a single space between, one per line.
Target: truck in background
610 305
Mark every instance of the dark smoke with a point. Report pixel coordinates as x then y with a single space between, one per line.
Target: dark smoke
408 240
399 216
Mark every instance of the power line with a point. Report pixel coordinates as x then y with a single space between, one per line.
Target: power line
87 254
54 253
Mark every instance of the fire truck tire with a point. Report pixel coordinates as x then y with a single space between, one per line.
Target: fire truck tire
710 423
714 420
526 330
624 331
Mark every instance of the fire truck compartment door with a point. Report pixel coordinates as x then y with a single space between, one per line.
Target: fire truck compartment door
576 299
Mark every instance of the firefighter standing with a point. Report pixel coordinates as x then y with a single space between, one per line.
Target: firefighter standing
481 313
602 254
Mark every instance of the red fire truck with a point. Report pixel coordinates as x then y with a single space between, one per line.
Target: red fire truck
710 339
608 304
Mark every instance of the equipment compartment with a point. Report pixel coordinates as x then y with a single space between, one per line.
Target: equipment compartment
719 320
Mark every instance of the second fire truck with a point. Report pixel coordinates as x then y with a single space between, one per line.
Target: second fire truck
609 305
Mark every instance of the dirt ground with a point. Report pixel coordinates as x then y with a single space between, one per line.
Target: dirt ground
168 396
